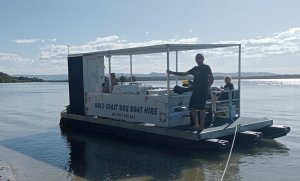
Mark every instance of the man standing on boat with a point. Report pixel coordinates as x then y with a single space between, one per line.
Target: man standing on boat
203 79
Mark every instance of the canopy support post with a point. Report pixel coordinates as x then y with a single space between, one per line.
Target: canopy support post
130 68
109 74
168 68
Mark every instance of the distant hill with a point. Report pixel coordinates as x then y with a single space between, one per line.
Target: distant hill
5 78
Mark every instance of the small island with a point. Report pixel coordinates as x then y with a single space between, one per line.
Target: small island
5 78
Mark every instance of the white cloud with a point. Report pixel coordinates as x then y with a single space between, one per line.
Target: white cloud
284 43
292 32
57 54
9 57
106 39
26 41
31 41
54 53
54 56
51 40
14 64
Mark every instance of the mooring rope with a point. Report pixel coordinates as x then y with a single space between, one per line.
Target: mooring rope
233 141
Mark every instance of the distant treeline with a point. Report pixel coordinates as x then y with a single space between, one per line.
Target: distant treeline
280 76
283 76
5 78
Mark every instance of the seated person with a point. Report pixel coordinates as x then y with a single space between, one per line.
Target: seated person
105 85
114 80
186 87
228 86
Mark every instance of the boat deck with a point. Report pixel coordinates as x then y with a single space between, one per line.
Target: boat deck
225 127
219 128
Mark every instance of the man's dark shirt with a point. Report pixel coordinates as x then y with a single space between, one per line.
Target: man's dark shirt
200 83
200 86
228 86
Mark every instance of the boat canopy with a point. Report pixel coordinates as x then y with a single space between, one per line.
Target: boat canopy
155 49
162 48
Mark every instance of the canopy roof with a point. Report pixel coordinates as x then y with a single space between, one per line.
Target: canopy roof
155 49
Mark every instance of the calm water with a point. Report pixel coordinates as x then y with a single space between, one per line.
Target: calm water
33 143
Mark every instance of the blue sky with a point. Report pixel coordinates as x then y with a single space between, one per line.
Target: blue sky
35 34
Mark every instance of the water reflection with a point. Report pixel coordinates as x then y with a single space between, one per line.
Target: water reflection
103 157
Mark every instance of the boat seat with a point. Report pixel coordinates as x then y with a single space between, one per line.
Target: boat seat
126 89
158 91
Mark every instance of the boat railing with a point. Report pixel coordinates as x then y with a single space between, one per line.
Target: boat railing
224 108
219 108
178 103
